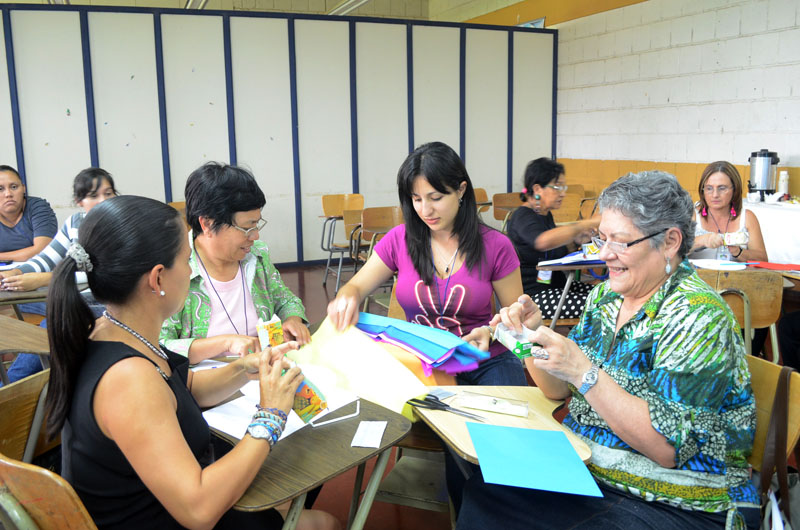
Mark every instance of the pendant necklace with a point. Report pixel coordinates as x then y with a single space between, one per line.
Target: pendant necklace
244 297
452 260
449 272
717 225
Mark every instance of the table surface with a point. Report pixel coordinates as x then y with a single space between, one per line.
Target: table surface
40 294
774 219
18 336
453 428
314 455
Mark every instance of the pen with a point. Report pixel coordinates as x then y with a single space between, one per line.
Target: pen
742 263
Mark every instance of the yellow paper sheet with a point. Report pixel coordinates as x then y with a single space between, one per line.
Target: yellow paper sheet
357 363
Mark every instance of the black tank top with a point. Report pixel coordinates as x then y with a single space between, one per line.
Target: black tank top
101 475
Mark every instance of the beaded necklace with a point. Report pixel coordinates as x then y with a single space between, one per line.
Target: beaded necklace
146 342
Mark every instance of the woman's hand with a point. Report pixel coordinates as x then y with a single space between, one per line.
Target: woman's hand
252 361
24 282
523 311
241 345
277 389
295 329
709 240
565 359
585 230
479 337
343 310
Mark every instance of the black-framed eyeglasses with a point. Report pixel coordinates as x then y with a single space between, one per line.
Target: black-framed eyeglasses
618 248
247 231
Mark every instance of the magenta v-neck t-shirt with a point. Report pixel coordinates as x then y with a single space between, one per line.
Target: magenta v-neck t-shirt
463 304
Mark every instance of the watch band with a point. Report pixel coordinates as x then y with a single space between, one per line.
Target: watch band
589 379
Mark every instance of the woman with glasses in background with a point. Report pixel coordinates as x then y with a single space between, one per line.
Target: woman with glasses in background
537 238
659 385
233 282
718 212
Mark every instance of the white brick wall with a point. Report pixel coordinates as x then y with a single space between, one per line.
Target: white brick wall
681 81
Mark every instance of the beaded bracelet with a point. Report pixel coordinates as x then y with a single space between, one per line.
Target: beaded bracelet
268 423
277 422
279 412
269 417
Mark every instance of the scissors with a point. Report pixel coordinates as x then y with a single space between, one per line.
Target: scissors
434 403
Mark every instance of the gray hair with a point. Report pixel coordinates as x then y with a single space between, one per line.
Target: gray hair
654 202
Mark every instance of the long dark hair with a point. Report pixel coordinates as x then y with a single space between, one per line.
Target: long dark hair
125 237
445 171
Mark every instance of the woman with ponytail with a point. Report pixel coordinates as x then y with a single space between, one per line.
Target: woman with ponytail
135 445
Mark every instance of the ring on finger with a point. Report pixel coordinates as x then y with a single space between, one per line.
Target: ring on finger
540 353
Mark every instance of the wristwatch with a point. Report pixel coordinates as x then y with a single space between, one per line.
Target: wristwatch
589 379
262 432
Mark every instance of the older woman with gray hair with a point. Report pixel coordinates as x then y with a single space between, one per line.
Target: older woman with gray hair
659 383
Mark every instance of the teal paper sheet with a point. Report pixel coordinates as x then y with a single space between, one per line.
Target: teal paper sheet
531 458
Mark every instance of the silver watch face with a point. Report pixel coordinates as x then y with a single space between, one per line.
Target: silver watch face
259 431
590 377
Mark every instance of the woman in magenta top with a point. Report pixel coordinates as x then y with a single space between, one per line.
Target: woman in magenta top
448 263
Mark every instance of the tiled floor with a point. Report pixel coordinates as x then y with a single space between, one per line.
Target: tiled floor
306 282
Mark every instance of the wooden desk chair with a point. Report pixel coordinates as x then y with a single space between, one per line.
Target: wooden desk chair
181 207
333 207
570 209
755 297
587 208
481 196
503 205
32 497
21 421
764 380
352 227
375 223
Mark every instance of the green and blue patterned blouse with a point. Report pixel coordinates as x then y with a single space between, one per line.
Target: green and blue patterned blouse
683 354
270 297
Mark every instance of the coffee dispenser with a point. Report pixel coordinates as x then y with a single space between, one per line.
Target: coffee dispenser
763 166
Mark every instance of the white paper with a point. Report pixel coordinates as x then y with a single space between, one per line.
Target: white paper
577 257
234 416
369 434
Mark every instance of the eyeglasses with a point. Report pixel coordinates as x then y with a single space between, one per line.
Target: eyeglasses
720 189
247 231
618 248
558 187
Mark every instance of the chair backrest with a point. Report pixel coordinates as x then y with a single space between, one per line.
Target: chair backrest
19 401
44 498
502 203
570 208
481 196
181 207
577 189
395 309
764 380
763 288
379 220
334 205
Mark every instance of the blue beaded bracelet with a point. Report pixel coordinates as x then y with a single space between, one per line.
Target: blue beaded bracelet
279 412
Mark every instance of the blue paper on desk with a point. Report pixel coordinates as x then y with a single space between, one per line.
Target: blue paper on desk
531 458
432 345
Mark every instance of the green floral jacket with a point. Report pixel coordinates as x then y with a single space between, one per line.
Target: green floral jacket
270 297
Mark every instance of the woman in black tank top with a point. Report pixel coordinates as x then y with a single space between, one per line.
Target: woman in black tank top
135 444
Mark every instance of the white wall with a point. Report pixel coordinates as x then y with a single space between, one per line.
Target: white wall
681 81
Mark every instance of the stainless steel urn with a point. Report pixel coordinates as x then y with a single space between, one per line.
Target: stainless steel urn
763 166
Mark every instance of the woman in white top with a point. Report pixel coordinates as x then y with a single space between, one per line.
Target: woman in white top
719 211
